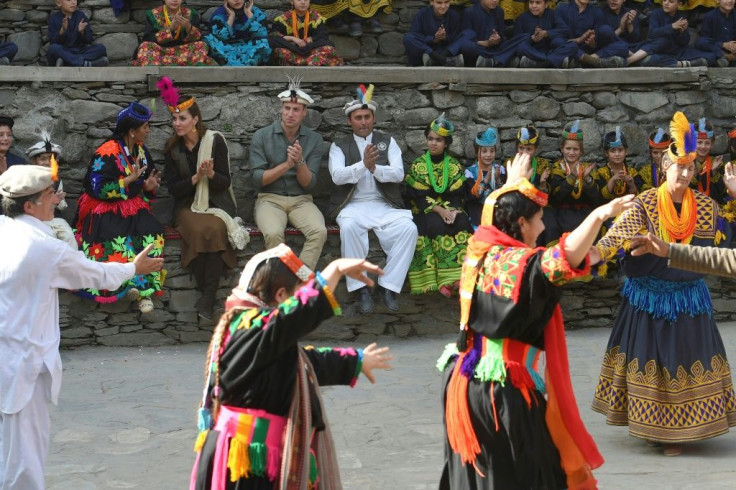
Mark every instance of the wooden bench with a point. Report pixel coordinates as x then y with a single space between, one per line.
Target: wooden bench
332 229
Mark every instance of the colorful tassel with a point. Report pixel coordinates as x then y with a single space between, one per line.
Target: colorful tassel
666 299
450 351
204 419
238 459
200 441
460 431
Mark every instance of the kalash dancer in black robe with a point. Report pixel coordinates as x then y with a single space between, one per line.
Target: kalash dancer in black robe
506 427
262 422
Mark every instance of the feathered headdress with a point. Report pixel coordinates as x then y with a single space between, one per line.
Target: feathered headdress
442 126
659 139
684 140
294 93
364 100
703 131
614 139
573 132
489 137
170 95
527 135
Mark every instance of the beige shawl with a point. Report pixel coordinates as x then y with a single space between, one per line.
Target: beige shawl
236 232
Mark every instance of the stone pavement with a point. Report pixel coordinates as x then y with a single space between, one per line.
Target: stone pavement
126 419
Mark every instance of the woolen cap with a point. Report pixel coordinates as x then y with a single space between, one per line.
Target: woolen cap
25 180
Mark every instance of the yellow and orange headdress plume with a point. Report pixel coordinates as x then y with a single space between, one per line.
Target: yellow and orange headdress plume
684 140
170 95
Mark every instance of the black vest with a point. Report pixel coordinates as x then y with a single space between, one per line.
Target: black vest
341 194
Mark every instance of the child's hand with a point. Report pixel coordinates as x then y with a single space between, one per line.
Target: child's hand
374 357
230 12
82 26
440 35
495 38
248 8
679 25
729 46
64 25
588 169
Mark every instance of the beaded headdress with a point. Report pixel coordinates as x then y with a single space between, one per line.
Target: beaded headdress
659 139
573 131
285 255
170 95
527 135
364 100
523 186
294 93
137 112
442 126
489 137
705 130
614 139
684 140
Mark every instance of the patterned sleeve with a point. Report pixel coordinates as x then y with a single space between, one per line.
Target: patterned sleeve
220 28
556 267
194 33
269 332
256 24
335 366
105 175
630 223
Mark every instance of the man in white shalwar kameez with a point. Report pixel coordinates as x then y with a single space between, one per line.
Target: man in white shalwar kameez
33 264
367 170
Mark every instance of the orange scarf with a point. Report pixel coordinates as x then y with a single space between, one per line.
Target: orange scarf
295 25
671 226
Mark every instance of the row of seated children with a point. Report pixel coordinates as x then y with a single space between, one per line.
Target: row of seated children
576 187
172 36
573 34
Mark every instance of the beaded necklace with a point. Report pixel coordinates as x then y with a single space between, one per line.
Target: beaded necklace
619 188
167 19
295 25
671 226
707 166
534 168
445 173
577 188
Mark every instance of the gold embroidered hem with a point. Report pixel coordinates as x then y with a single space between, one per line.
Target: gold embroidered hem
365 10
691 406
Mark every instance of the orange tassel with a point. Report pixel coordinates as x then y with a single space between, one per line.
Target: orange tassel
460 431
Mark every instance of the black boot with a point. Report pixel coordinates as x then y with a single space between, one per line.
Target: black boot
212 273
196 267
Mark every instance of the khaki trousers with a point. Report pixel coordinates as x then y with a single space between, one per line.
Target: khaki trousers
273 212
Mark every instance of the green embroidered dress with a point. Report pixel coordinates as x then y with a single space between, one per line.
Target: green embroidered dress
440 249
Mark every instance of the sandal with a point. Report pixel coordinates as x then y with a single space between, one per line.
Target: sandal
132 294
446 291
145 305
672 450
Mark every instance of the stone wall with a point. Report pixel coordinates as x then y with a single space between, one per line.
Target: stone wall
80 109
26 23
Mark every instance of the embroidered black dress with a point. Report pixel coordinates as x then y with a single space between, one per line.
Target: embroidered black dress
258 370
115 222
517 292
665 372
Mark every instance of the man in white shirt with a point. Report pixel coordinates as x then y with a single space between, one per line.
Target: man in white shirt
367 170
33 264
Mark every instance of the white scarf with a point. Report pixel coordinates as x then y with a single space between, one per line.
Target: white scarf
236 232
